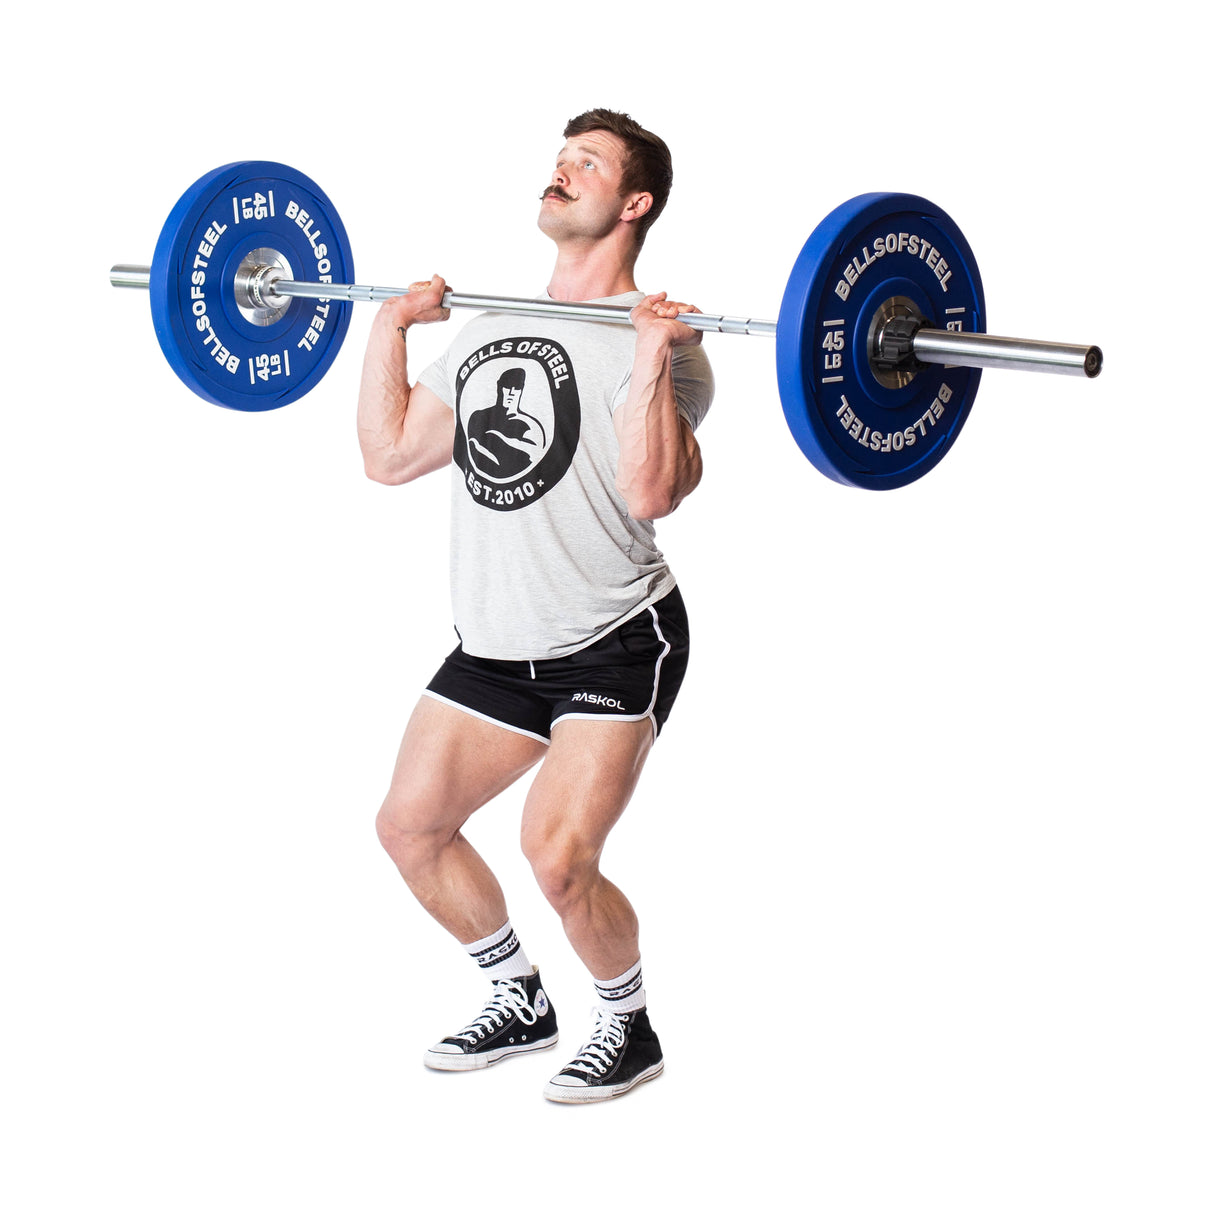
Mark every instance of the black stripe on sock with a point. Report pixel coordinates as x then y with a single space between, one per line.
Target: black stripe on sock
612 994
495 953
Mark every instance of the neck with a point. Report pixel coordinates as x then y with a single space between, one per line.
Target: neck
593 271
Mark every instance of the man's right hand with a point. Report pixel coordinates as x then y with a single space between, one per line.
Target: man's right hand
422 305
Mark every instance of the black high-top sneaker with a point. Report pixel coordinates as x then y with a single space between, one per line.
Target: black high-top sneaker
516 1020
622 1051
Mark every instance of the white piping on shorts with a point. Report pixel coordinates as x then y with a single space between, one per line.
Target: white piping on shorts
653 699
480 716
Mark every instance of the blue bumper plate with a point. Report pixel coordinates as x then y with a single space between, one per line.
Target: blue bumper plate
219 350
853 424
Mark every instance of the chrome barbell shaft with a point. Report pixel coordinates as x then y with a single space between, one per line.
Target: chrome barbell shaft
937 346
616 314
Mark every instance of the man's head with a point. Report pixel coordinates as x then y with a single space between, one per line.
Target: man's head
616 168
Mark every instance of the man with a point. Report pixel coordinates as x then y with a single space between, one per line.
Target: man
568 438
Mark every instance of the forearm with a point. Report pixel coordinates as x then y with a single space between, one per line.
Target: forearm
403 432
659 457
383 401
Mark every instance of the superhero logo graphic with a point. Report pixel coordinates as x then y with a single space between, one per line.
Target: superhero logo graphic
517 421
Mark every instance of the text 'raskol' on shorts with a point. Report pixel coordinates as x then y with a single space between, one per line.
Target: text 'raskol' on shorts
631 674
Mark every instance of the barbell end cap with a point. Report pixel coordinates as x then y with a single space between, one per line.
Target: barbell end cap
1093 362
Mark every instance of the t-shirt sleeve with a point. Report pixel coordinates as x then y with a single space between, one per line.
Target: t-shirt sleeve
435 378
693 383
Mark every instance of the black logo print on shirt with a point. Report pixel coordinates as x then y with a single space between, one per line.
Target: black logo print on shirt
517 421
505 440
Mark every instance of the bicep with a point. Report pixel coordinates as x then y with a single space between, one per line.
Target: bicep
429 430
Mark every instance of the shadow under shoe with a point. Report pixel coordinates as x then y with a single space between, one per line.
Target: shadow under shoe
516 1019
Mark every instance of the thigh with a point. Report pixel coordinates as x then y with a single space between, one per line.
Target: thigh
584 785
450 764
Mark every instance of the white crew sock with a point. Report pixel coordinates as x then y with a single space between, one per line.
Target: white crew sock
622 994
500 955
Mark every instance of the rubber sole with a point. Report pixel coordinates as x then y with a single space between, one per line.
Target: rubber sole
439 1061
592 1095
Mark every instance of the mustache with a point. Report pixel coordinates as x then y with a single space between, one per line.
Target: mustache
558 192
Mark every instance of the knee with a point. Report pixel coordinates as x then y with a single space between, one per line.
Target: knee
408 836
563 868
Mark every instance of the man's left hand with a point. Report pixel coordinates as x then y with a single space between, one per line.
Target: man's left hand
658 316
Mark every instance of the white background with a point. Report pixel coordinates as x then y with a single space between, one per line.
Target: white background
923 859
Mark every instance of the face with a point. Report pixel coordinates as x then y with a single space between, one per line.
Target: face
583 200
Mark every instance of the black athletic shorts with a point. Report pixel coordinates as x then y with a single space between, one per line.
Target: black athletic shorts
631 674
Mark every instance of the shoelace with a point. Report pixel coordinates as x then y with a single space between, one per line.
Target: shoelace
508 999
606 1041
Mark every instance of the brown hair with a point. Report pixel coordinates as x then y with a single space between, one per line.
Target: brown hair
647 166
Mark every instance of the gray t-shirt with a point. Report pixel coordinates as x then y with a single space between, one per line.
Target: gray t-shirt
545 558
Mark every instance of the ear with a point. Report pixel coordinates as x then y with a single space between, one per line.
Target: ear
636 205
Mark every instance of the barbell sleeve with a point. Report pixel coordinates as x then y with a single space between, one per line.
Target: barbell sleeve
131 276
948 348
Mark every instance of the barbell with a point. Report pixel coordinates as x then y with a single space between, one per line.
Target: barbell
880 340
